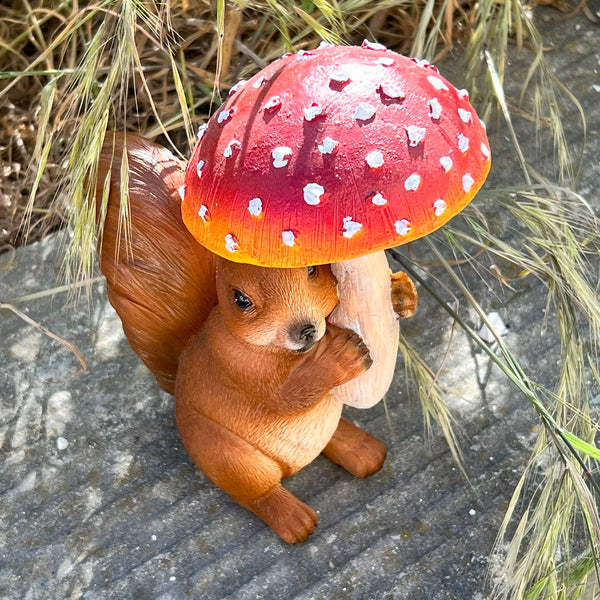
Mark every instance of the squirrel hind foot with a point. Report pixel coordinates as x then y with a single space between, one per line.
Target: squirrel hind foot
285 514
355 450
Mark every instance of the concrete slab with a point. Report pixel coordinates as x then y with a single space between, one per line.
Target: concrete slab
98 499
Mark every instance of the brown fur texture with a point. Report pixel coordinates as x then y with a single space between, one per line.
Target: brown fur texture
246 350
158 278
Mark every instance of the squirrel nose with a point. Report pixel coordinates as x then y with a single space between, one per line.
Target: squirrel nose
307 333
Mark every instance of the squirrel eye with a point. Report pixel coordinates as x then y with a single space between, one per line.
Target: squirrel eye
242 301
311 270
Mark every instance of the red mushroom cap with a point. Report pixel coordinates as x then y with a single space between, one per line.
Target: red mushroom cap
331 154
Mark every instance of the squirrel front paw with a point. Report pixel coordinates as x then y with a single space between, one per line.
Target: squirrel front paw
344 354
338 357
404 295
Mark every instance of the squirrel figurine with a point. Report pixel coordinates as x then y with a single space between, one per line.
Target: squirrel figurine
247 351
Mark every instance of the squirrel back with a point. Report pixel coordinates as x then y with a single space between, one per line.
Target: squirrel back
159 279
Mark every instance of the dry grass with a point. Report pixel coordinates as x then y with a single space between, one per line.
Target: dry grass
73 69
154 68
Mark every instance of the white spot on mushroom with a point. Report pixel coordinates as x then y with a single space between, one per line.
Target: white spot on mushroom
412 182
199 168
255 207
373 46
435 109
465 115
203 212
259 82
281 156
378 199
312 112
483 123
324 44
421 62
350 227
463 93
485 150
467 182
415 135
302 54
237 87
402 226
288 238
181 191
439 206
231 243
385 61
273 103
329 146
374 159
224 116
313 193
202 130
340 77
437 83
364 111
446 163
232 147
391 90
463 143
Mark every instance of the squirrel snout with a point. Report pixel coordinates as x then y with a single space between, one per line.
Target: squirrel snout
308 333
303 336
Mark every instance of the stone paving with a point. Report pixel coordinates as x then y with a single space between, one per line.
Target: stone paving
98 499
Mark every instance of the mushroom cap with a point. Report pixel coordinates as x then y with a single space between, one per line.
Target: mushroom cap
331 154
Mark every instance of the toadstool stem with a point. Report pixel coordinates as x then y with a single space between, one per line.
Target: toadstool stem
364 291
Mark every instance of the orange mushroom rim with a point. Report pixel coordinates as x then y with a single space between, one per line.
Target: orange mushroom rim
331 154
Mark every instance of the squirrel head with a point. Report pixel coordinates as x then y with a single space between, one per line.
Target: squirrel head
284 308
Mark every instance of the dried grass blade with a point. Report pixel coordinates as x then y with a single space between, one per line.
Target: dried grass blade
47 332
220 4
318 28
431 398
189 129
418 47
61 289
500 96
42 149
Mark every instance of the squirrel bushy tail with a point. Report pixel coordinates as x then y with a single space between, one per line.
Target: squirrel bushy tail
159 279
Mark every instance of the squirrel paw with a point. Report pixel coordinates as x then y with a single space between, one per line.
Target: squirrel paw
348 352
404 295
285 514
355 450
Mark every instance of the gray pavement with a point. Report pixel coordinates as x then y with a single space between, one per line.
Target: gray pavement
98 499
